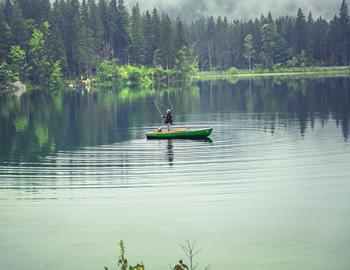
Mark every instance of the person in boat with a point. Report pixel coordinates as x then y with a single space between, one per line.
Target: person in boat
168 118
180 266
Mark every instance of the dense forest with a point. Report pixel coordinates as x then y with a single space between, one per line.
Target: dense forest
42 41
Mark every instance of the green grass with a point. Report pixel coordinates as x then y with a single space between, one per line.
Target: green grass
276 72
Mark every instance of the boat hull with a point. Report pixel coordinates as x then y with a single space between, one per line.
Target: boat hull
180 134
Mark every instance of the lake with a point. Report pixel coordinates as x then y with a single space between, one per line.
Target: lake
270 190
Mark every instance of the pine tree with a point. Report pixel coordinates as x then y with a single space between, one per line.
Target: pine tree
157 58
344 26
16 21
104 15
5 34
38 10
16 62
333 48
210 41
113 27
86 52
38 57
148 34
71 18
57 50
300 32
55 79
198 38
123 33
249 49
167 40
137 39
320 39
155 31
273 46
237 35
269 18
222 43
95 26
181 39
7 9
185 63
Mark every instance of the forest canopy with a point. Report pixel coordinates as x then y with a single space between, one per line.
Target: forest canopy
72 38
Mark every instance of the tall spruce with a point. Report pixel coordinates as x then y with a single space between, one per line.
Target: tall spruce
249 49
148 34
113 28
5 35
300 32
273 46
123 33
95 26
210 42
155 32
137 47
344 26
86 52
56 47
181 39
166 46
222 43
38 56
106 31
71 18
17 23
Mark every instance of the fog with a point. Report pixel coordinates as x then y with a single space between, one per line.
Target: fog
241 9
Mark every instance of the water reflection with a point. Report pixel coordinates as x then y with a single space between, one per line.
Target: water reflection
284 100
40 123
170 152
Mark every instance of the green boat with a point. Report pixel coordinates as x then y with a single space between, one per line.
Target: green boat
180 133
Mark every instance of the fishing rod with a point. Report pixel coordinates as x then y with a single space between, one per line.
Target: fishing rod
166 107
169 100
161 115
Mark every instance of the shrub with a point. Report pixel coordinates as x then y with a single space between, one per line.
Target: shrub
233 71
55 80
106 71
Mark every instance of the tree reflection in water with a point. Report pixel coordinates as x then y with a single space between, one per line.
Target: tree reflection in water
41 123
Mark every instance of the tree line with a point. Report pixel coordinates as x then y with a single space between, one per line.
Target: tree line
43 41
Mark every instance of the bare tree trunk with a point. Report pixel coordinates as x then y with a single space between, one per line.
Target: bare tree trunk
209 58
191 252
249 61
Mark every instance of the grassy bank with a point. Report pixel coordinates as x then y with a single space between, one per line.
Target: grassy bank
209 75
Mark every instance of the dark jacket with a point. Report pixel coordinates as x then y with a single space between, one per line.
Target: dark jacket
168 118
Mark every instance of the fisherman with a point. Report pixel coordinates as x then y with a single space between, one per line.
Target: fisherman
168 118
180 266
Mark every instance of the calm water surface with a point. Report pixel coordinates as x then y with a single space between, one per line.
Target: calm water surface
270 190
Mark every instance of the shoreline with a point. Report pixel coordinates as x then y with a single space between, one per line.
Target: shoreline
341 70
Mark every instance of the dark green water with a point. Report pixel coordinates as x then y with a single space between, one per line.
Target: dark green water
271 190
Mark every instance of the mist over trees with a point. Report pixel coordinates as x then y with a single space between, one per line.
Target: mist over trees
189 10
37 36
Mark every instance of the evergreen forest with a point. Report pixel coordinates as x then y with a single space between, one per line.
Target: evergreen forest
43 42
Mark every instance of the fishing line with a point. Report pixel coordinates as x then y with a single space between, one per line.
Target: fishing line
171 104
166 107
161 115
161 105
